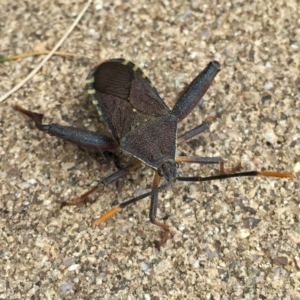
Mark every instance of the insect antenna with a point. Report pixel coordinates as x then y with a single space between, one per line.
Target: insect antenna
116 209
242 174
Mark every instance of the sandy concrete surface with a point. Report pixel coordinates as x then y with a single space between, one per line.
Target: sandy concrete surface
230 239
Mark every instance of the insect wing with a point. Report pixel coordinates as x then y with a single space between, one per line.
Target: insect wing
124 96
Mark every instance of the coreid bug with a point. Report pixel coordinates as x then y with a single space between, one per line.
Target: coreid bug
143 126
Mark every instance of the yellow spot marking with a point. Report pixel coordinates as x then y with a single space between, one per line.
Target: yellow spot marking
144 75
125 62
135 68
99 112
90 80
95 102
91 92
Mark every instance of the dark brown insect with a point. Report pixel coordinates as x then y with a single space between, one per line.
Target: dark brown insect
142 125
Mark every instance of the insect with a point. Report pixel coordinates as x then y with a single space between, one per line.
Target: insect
142 125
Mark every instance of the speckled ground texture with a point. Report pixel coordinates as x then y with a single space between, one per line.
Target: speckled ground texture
231 239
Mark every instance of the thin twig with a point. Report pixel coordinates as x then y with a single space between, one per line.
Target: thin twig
49 55
24 55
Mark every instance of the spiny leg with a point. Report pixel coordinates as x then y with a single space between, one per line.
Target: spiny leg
103 183
153 211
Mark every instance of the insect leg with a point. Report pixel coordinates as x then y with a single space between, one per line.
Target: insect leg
77 136
195 131
103 183
203 160
208 161
115 158
153 211
195 91
153 208
199 160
